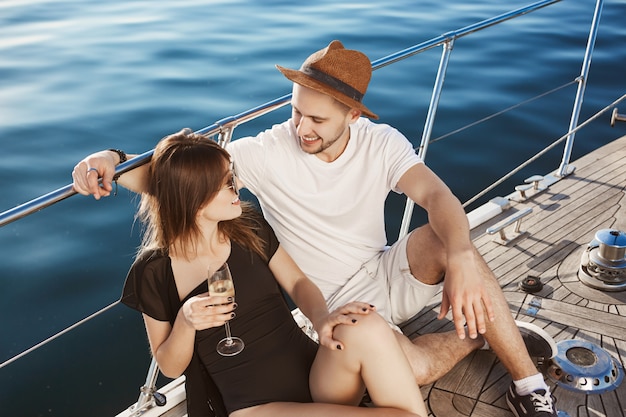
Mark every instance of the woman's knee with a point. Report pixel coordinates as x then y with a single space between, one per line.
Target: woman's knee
369 328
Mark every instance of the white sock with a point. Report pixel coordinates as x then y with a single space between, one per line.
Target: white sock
529 384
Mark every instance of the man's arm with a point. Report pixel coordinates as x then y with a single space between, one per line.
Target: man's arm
445 213
102 165
463 290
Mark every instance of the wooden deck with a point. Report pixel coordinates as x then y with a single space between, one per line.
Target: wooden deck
564 220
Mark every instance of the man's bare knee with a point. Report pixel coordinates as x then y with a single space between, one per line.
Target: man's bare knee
427 255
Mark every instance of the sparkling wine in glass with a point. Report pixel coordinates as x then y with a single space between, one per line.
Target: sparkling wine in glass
221 283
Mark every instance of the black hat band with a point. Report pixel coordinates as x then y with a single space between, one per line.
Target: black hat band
333 82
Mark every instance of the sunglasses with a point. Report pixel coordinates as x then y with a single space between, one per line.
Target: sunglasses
232 183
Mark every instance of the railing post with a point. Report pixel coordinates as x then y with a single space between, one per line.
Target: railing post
428 125
148 390
434 99
564 168
225 136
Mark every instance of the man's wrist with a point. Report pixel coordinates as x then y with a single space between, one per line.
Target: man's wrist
121 155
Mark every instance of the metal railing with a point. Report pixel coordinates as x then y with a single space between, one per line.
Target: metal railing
224 128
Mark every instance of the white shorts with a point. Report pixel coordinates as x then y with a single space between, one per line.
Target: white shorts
386 282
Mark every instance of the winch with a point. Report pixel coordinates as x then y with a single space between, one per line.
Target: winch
603 263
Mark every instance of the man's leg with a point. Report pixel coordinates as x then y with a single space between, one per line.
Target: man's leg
431 355
502 334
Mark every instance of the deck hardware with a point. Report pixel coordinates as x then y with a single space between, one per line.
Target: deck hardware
615 116
603 263
522 191
531 284
534 180
499 227
550 179
533 306
532 185
148 395
159 399
582 366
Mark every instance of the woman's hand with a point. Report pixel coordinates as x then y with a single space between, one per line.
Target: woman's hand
204 311
347 314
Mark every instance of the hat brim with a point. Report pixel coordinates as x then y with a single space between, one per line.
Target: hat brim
301 78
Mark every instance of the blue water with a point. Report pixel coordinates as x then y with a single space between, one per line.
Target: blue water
83 75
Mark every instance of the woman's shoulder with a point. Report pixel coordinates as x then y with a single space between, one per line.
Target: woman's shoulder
153 262
148 287
150 256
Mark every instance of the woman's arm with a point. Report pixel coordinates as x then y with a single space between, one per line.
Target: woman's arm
310 300
172 346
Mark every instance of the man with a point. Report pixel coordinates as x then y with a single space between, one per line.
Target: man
322 178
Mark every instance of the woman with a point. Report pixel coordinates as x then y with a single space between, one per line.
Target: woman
195 223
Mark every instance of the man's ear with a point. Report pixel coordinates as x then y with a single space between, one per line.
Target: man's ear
354 115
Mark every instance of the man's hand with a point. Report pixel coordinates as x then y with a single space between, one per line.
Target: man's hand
87 172
348 314
465 293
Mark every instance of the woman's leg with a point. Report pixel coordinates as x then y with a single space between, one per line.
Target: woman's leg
372 358
319 410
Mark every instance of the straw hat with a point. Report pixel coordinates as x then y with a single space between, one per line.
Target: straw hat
338 72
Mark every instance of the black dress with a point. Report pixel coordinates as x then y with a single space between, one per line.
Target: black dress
275 364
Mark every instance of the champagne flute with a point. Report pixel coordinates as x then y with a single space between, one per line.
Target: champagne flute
221 284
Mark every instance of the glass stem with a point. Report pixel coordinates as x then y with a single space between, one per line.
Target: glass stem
229 338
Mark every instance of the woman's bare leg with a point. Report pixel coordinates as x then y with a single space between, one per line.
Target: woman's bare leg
372 358
319 410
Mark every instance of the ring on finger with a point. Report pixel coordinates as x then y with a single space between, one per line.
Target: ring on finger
92 169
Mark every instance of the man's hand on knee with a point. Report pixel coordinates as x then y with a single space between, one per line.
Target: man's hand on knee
465 293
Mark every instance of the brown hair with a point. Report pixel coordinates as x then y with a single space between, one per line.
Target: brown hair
186 171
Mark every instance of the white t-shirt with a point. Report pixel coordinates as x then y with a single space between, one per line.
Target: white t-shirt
328 216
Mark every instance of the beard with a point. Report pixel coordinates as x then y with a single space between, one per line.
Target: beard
323 145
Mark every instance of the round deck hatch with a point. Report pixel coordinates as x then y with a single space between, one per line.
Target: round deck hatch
582 366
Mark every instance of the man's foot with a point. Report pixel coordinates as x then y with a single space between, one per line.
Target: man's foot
538 403
538 342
